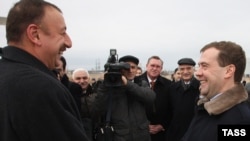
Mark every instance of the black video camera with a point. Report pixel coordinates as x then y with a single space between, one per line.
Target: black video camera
113 77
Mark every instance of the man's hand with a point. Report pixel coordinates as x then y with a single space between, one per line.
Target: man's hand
124 80
154 129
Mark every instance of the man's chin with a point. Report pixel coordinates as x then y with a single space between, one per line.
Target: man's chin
57 62
203 93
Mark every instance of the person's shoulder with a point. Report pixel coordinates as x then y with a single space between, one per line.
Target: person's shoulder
175 85
165 80
140 78
73 85
74 88
37 86
29 75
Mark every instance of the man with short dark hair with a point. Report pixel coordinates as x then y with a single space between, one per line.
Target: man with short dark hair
156 112
35 106
223 99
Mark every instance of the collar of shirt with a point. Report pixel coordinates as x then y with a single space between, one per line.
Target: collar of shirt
149 80
217 95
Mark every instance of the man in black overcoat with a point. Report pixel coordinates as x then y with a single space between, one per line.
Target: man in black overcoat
182 100
156 112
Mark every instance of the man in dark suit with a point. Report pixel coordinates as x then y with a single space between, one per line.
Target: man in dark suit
182 99
156 112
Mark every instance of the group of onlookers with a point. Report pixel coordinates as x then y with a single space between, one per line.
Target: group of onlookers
155 105
168 117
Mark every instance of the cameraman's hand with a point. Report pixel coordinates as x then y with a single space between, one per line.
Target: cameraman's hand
124 80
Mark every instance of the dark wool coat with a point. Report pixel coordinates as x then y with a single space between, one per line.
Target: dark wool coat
157 112
229 108
181 108
34 105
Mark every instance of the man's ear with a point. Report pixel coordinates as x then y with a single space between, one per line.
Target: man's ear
32 32
230 70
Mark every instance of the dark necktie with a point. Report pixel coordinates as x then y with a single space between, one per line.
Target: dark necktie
152 83
186 85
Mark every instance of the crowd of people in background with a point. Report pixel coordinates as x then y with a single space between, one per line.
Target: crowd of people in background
40 102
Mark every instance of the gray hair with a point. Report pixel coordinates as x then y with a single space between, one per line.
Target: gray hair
80 70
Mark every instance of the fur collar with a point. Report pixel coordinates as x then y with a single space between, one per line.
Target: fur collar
225 101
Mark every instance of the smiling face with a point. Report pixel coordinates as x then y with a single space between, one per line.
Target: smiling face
82 78
53 37
154 68
210 74
186 71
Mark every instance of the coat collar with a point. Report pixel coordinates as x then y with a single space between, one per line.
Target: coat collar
18 55
158 79
225 101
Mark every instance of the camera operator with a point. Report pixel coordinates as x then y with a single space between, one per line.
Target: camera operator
128 115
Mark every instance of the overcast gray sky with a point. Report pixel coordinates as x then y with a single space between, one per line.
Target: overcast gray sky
171 29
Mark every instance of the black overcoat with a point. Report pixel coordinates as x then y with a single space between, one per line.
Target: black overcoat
34 105
181 105
157 112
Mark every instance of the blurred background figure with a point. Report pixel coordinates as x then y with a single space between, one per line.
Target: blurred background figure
138 71
176 76
93 81
74 88
244 82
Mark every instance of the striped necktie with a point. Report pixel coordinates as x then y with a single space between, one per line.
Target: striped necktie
152 84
